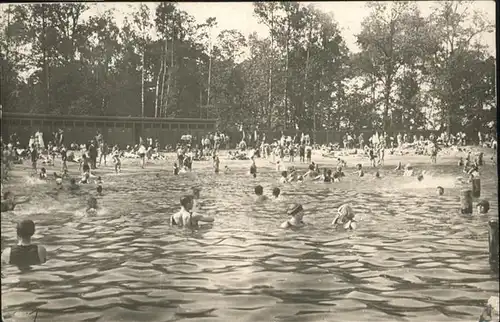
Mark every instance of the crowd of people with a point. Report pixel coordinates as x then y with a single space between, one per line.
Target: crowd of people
94 154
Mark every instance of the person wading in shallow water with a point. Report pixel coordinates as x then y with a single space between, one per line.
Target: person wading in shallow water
9 201
185 217
25 253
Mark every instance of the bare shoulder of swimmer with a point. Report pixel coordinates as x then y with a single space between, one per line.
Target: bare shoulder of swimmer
42 254
6 255
284 225
175 219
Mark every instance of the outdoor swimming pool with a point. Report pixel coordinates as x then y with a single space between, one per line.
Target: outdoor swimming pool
412 258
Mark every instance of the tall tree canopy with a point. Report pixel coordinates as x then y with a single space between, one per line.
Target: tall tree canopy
411 72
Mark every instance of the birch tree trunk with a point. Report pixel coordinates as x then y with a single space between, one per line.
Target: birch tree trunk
169 80
142 83
287 114
162 98
158 88
209 74
270 89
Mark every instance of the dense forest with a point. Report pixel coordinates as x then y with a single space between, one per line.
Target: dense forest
412 71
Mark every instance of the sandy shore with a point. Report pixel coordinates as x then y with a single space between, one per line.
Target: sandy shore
132 166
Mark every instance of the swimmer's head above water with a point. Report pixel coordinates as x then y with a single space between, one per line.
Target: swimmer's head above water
187 203
91 203
483 206
440 190
259 190
296 211
25 229
196 192
276 192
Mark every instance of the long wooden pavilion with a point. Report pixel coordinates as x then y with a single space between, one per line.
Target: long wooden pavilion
115 129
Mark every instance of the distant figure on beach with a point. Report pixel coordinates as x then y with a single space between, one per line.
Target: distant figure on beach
216 163
296 213
25 253
284 177
253 169
116 159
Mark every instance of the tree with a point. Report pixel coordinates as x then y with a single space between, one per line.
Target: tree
453 46
383 41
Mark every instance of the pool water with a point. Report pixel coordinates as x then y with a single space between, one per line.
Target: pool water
412 258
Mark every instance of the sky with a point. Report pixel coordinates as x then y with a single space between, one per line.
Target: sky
239 16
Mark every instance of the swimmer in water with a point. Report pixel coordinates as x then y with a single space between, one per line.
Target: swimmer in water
461 162
259 192
377 174
91 206
226 169
399 167
276 193
99 190
408 170
253 169
483 207
284 177
296 213
73 185
85 178
9 201
25 253
311 173
43 174
359 171
440 191
328 176
345 217
59 180
176 169
196 192
185 217
473 172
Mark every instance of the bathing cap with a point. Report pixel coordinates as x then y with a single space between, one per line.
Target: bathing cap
346 211
485 204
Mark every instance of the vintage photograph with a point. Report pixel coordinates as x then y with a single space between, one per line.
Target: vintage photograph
249 161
